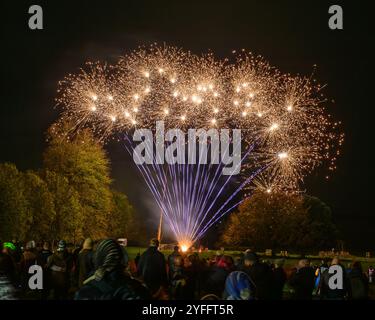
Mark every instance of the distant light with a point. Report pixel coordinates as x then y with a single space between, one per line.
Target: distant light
244 113
113 118
146 74
127 114
166 111
248 104
213 121
175 94
110 98
147 90
216 94
268 190
216 110
161 70
94 97
135 109
183 118
283 155
93 108
134 122
184 248
260 114
235 102
274 126
289 108
251 95
136 97
173 80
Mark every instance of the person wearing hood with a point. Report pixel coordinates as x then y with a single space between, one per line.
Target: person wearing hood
85 262
60 265
110 281
239 286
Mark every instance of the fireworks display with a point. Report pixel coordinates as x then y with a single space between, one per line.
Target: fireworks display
286 132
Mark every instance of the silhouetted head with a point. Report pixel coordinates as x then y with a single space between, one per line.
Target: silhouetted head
108 257
250 258
335 261
154 243
61 245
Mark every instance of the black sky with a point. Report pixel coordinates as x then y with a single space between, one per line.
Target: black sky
291 35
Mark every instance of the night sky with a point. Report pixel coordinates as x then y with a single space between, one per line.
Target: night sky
291 35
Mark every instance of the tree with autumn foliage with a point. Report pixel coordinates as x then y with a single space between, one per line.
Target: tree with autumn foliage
70 198
81 159
280 221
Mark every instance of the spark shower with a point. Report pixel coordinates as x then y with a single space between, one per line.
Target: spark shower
286 132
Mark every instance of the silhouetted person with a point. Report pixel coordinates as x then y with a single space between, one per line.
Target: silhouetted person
85 262
152 267
328 293
303 281
217 275
260 273
110 281
29 258
60 266
7 276
43 256
279 279
171 261
358 282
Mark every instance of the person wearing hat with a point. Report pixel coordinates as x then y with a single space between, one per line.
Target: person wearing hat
60 265
110 281
152 267
85 262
